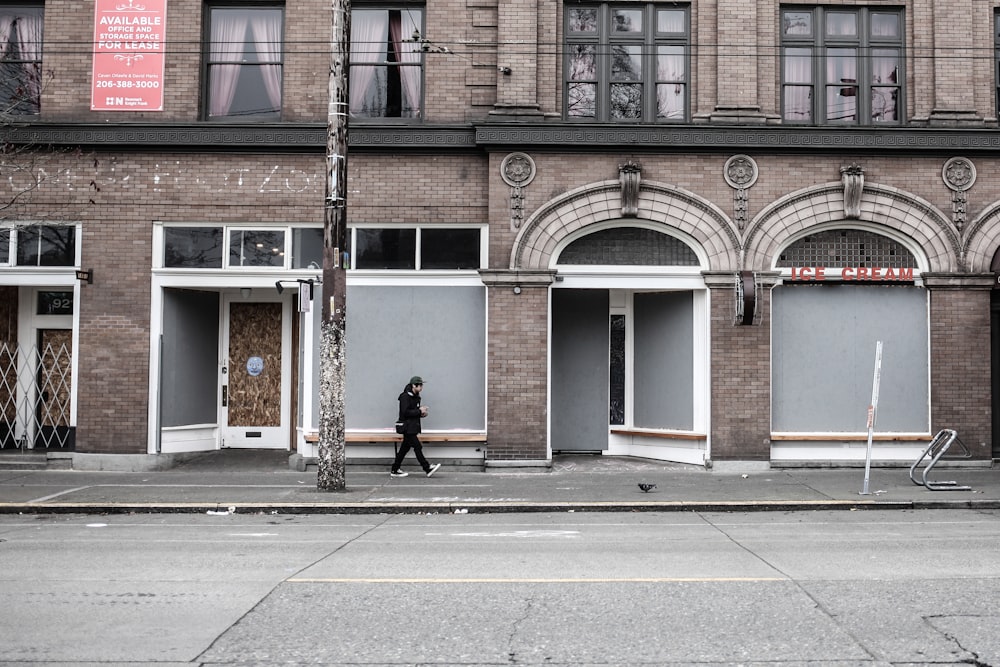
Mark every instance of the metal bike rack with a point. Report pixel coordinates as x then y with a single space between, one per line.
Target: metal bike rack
939 445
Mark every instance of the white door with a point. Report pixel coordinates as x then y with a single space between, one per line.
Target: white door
256 374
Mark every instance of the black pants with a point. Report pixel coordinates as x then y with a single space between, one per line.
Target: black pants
410 441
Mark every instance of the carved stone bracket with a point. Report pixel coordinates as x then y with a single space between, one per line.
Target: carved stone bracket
630 175
517 170
853 178
959 175
741 173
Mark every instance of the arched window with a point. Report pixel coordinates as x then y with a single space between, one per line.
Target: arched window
841 248
629 246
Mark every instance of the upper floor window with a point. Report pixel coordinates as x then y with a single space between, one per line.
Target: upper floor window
21 59
386 63
626 62
996 55
243 68
842 65
38 245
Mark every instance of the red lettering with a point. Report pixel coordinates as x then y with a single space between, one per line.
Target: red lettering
821 273
847 273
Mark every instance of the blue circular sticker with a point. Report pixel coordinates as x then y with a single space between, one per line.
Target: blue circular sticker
255 366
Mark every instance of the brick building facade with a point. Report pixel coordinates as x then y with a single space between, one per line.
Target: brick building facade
666 230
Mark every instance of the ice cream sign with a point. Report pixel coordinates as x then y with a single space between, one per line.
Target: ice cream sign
128 62
852 273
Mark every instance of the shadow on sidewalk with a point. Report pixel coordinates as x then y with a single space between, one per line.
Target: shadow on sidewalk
237 460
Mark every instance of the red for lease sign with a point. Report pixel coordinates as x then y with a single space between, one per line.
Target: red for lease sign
128 55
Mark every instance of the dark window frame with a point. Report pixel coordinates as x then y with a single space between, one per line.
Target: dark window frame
996 55
394 107
21 75
868 48
646 43
260 62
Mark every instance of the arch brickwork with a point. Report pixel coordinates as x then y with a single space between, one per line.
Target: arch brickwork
881 206
981 240
662 204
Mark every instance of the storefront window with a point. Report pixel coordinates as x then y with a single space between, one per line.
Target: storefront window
192 247
412 248
256 247
46 246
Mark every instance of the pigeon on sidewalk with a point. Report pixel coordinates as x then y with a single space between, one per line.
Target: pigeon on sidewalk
646 488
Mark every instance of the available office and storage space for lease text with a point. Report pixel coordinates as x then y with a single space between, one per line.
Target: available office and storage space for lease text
128 55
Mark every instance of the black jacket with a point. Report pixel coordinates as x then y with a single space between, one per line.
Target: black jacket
409 410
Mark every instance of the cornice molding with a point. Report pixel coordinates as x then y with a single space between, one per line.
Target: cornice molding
310 137
208 137
731 138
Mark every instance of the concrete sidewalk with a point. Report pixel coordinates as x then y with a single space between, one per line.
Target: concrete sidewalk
253 481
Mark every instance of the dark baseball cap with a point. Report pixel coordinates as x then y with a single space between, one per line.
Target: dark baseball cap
416 379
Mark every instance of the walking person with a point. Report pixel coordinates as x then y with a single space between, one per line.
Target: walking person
410 413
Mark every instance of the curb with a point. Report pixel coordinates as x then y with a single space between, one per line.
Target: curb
487 507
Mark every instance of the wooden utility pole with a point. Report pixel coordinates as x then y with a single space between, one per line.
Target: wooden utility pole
332 378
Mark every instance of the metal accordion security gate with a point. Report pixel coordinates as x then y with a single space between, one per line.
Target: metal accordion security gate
35 393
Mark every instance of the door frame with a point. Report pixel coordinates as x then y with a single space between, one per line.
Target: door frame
278 437
30 324
661 444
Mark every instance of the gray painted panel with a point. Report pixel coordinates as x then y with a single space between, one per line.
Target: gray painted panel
394 332
580 375
823 359
663 389
190 371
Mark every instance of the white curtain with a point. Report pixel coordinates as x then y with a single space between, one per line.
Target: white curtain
266 30
407 53
842 84
885 25
25 31
367 28
798 98
29 35
6 21
228 32
670 69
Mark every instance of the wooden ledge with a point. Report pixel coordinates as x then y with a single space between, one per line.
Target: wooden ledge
850 437
659 434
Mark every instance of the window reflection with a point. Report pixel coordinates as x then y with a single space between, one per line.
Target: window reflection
256 247
385 249
46 246
192 247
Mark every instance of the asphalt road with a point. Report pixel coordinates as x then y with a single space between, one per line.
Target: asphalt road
799 588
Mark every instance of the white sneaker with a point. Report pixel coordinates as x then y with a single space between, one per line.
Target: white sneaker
433 469
398 473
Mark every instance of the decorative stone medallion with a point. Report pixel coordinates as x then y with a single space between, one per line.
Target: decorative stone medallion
517 170
959 174
741 172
